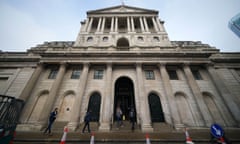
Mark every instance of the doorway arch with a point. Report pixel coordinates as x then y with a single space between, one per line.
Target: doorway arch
124 96
155 108
94 106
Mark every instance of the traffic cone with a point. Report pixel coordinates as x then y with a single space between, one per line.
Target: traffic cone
147 139
188 139
63 140
92 138
222 140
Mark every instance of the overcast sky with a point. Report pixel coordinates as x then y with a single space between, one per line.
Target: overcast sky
26 23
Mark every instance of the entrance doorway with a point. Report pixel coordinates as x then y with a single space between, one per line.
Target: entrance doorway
94 106
124 96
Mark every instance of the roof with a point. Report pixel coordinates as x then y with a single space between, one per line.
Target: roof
122 9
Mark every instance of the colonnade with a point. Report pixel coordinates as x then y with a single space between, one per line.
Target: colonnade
130 27
105 116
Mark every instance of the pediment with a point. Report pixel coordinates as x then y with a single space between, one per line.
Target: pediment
122 9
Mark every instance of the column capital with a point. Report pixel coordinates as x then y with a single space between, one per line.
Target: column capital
109 63
208 65
138 64
162 64
86 64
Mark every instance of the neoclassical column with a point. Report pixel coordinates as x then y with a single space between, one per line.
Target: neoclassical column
141 23
86 25
159 25
112 24
226 95
27 91
90 24
132 24
116 24
146 25
75 116
144 108
48 107
155 24
200 117
174 115
99 24
128 24
106 102
103 24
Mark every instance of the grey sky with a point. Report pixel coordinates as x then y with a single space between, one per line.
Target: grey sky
26 23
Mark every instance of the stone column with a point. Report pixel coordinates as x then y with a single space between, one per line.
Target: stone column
174 115
90 24
141 23
198 114
86 25
226 95
75 116
155 24
28 89
99 24
128 25
106 102
48 107
132 24
103 24
146 25
112 24
159 25
116 24
144 109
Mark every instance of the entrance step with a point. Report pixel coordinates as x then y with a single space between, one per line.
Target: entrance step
163 127
125 127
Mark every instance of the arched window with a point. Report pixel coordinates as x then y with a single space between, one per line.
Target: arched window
123 43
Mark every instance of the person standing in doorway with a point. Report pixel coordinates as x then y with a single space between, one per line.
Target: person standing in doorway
132 117
87 120
52 117
119 116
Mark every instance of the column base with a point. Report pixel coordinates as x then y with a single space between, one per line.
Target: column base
104 127
72 126
147 128
179 126
29 127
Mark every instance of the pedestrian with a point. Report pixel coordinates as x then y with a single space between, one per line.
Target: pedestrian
132 118
119 116
87 120
52 117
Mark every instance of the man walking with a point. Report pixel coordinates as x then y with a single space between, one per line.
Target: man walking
52 117
87 120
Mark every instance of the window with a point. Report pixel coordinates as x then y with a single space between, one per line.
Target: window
149 75
197 75
98 74
172 74
89 39
76 74
140 38
105 39
53 74
156 39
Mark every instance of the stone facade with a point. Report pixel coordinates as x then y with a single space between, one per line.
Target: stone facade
122 55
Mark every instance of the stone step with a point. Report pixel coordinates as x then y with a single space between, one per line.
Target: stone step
197 135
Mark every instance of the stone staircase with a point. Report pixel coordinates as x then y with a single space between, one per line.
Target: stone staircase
162 134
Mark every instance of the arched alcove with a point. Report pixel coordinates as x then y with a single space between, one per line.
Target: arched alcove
123 43
184 109
66 106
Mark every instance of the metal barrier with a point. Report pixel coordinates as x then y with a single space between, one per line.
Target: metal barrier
10 109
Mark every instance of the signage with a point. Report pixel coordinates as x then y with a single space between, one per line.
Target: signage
216 131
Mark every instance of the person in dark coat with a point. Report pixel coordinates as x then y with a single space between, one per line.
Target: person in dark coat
52 117
132 117
87 120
